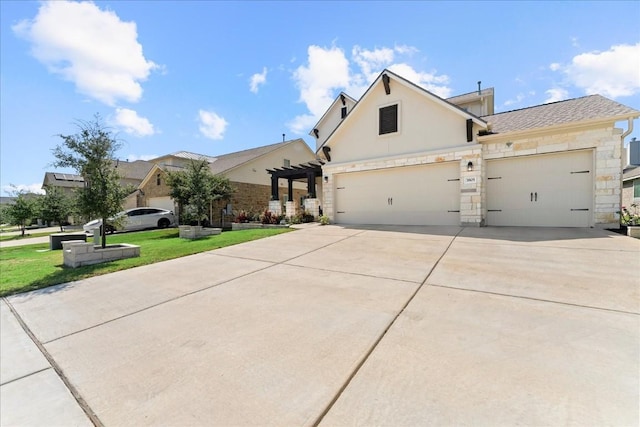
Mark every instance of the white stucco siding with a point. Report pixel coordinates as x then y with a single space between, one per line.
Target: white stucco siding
423 125
331 120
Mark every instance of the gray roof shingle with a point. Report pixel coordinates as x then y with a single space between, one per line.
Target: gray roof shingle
590 107
229 161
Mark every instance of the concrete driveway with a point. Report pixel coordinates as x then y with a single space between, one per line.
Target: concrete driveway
340 326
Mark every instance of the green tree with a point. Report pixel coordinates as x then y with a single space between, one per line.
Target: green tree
91 152
55 205
196 188
24 208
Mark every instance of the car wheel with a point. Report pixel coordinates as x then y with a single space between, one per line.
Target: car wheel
163 223
110 229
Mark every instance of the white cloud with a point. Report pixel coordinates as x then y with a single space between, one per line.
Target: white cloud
28 188
555 66
555 95
257 80
134 157
328 71
90 47
430 81
212 125
133 124
613 73
518 99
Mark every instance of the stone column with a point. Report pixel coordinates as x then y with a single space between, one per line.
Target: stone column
311 206
275 207
292 208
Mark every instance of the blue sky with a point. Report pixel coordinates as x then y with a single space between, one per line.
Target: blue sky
216 77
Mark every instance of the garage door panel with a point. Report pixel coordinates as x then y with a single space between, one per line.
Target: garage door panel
416 195
161 202
547 190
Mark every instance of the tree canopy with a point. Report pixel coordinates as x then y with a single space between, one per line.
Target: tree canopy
196 188
55 205
91 152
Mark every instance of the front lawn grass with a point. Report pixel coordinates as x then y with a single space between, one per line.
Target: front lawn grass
27 235
25 268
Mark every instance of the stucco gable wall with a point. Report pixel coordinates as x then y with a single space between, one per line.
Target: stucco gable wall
331 120
255 171
424 125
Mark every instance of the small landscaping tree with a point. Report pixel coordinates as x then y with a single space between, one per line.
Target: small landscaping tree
91 152
56 205
24 208
196 188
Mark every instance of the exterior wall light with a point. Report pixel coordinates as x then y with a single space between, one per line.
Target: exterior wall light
470 166
326 178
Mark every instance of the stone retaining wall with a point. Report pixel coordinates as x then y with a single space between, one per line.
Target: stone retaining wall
76 253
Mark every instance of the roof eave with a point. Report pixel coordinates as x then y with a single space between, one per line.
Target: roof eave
580 124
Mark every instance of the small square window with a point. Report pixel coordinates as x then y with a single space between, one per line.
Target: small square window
388 120
636 188
286 163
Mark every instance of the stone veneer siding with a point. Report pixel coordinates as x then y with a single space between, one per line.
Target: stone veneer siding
607 147
251 198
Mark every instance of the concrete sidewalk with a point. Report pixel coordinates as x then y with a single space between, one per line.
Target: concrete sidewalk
340 326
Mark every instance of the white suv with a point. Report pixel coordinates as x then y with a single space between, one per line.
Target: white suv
135 219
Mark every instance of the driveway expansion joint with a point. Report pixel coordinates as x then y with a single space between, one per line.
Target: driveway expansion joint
590 307
58 370
369 352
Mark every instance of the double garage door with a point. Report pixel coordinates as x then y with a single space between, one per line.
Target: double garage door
412 195
552 190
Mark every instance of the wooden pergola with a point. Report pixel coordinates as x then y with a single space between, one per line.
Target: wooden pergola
309 171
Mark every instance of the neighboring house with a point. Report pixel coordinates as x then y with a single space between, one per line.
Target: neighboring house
131 175
631 186
247 171
403 155
67 182
631 176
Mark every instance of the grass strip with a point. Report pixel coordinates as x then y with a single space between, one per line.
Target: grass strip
30 267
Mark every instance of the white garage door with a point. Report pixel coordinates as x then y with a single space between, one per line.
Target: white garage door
161 202
413 195
552 190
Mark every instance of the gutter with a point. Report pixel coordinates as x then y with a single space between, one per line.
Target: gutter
622 165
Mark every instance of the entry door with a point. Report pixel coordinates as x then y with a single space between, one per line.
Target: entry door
553 190
413 195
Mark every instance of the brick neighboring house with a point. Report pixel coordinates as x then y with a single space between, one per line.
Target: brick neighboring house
247 171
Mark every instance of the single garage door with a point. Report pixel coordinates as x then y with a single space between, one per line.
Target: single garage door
162 203
552 190
412 195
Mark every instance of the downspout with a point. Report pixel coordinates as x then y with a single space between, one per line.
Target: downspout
622 137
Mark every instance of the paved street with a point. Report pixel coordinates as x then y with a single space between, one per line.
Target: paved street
340 326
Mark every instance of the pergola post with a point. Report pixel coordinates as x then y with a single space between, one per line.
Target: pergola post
311 185
274 188
290 189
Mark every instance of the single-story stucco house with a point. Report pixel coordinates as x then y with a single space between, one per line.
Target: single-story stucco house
402 155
